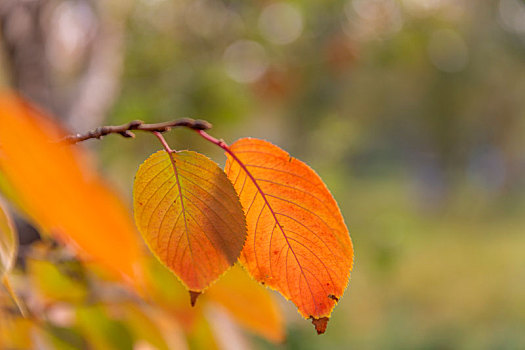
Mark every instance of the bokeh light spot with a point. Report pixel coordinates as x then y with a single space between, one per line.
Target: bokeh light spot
512 15
245 61
447 51
281 23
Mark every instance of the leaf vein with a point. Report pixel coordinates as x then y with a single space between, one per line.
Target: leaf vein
214 198
305 209
263 195
285 172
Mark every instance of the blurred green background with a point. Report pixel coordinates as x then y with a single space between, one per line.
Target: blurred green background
413 112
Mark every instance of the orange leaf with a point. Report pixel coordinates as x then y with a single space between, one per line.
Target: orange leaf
297 241
60 191
250 304
189 215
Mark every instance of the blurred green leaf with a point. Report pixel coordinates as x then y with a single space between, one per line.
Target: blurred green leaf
101 331
53 284
64 338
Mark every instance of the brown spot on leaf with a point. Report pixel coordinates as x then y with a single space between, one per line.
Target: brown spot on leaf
193 297
320 324
333 297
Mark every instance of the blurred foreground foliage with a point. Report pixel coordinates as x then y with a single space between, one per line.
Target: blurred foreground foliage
412 111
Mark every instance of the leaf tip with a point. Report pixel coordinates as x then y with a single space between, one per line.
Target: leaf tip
193 297
320 324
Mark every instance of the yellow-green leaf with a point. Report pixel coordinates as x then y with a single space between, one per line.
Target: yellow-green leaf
53 284
101 330
8 243
189 215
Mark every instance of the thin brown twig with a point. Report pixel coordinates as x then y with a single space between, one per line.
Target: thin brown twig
125 130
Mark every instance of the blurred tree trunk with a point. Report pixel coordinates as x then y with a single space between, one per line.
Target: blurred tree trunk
77 83
24 41
78 87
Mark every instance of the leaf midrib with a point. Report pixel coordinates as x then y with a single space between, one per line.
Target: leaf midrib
183 209
259 189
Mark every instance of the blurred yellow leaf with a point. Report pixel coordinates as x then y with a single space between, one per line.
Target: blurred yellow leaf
144 327
250 304
8 243
200 336
15 332
61 192
164 287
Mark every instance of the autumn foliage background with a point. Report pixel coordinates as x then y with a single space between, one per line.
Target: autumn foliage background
411 111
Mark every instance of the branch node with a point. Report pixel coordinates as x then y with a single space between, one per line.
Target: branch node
134 124
104 129
200 124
